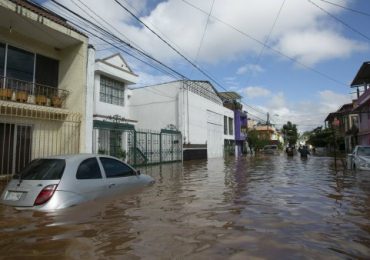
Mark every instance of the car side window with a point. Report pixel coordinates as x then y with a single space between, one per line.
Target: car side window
89 169
114 168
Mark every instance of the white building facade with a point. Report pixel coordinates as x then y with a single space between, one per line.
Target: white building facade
111 99
192 107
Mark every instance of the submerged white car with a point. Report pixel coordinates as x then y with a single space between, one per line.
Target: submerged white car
63 181
361 157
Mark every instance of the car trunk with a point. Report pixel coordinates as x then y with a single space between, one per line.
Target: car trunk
24 193
26 186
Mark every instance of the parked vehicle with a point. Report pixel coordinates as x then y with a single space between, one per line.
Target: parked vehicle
270 149
63 181
360 157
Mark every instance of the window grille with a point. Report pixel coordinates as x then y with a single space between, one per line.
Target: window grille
111 91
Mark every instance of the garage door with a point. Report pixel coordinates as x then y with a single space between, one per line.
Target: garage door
215 139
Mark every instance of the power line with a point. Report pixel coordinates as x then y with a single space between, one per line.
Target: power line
347 8
267 46
204 32
106 33
119 40
169 45
339 20
267 39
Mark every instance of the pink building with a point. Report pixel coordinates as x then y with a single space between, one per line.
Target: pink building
362 105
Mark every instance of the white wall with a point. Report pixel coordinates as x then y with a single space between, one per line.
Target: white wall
198 107
155 107
115 68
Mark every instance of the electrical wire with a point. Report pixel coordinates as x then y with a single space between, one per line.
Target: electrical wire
346 8
267 46
98 29
169 45
204 33
340 21
267 39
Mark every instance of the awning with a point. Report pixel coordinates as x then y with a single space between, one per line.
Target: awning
363 75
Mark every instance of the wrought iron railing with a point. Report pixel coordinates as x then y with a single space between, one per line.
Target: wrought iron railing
32 93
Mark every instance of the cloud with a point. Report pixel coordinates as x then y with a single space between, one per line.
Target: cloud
183 25
304 47
306 114
254 92
331 101
249 68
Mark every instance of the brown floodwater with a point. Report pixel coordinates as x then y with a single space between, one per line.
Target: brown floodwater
248 208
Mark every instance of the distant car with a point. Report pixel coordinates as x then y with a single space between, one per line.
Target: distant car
361 157
63 181
270 149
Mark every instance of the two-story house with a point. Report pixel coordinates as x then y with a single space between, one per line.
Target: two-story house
43 85
111 116
361 83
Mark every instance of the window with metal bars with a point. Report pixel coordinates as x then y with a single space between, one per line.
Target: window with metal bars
111 91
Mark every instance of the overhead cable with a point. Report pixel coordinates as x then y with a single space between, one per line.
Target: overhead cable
267 46
346 8
340 21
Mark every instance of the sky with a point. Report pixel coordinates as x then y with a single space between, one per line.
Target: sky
294 59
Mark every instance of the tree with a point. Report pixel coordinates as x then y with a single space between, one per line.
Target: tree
320 137
256 141
290 133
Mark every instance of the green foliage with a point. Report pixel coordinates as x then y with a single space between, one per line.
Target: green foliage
121 154
256 141
290 133
319 137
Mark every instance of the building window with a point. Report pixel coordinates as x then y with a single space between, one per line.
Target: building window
2 59
20 64
111 91
46 71
231 128
225 125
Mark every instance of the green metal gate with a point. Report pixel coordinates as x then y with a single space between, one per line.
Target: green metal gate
142 147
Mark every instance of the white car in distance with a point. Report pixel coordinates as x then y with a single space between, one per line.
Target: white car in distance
360 157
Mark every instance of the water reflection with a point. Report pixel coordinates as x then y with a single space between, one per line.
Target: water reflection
262 207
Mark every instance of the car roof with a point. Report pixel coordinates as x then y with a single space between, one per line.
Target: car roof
80 156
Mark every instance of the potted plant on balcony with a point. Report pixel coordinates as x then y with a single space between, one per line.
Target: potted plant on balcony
41 98
21 96
56 101
6 93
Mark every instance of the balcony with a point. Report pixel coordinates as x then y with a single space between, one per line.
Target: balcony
20 91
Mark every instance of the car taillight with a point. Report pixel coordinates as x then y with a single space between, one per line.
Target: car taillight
45 194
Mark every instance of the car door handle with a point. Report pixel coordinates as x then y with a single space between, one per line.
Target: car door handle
111 185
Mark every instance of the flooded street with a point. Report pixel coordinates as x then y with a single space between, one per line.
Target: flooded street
254 207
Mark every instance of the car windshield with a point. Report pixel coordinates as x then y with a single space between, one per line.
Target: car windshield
364 151
42 169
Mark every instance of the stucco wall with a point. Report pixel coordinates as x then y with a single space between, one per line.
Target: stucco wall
106 109
58 42
156 107
72 77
